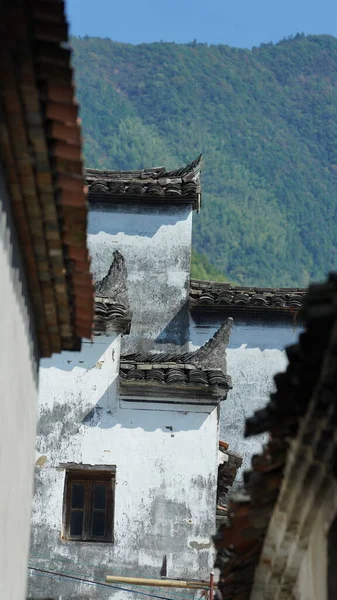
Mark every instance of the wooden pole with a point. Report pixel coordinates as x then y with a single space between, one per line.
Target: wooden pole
195 585
211 586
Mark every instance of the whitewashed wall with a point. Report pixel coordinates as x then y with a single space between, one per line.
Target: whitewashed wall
155 242
255 354
166 465
18 382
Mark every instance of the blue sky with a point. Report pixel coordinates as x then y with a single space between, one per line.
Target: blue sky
242 23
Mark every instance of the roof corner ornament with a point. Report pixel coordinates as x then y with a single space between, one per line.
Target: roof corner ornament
112 305
213 353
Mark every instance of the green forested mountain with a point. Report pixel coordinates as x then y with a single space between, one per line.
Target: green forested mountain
266 123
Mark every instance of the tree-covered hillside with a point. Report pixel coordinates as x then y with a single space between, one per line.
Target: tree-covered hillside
266 123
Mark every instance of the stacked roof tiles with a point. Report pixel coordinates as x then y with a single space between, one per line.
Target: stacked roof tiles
109 315
40 142
302 411
222 296
148 185
183 378
112 310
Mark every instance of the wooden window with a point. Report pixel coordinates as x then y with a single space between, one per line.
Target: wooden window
89 506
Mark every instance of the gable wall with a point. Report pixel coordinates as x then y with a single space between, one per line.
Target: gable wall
254 355
156 245
166 464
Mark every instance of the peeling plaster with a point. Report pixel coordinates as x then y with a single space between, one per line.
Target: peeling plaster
155 243
201 545
41 461
165 457
165 482
255 354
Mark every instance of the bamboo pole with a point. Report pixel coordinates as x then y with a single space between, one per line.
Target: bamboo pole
211 586
195 585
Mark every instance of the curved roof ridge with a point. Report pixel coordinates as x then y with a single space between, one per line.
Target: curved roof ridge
155 185
151 173
204 283
206 295
192 167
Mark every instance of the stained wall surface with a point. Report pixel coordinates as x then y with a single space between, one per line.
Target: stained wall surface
18 381
255 354
165 455
166 462
156 245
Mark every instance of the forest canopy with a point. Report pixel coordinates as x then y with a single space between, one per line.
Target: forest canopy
264 119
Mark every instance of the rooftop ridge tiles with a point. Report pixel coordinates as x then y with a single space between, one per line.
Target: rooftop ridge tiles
213 295
147 185
201 283
158 171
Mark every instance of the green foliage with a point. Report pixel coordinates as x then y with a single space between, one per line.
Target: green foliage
201 268
266 123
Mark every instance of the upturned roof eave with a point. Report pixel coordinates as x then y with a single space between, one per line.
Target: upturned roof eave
148 186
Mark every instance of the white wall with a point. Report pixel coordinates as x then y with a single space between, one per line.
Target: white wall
155 242
18 384
255 354
252 371
166 465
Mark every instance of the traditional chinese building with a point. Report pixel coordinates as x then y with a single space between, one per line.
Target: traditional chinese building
279 538
46 294
128 445
265 320
131 477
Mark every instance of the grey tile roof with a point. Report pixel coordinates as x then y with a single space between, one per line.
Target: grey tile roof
110 315
174 373
180 375
147 185
210 295
194 377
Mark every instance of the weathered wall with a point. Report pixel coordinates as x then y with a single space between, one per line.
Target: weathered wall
166 462
313 573
255 354
156 245
18 381
299 557
317 563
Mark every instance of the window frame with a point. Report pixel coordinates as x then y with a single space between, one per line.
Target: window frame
89 477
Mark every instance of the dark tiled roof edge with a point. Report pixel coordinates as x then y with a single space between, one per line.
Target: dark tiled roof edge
111 316
203 368
175 374
210 295
147 185
41 153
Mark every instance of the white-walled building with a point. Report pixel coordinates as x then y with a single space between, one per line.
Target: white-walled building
44 271
265 321
127 469
280 542
127 446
